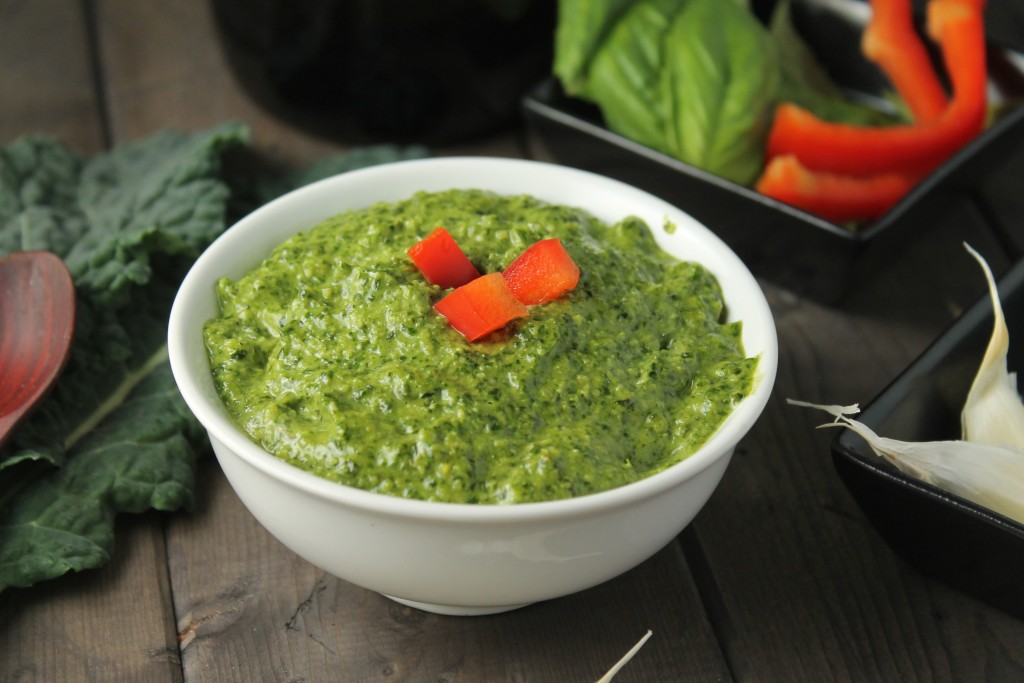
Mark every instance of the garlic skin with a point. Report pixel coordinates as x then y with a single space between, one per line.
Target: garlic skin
987 465
990 475
625 659
993 412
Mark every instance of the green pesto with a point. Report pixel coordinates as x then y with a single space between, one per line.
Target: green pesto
330 356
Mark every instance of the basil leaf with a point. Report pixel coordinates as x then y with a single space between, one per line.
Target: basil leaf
582 27
721 83
626 76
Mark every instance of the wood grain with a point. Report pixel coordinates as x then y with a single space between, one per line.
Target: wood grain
47 82
249 605
808 590
110 624
115 623
780 577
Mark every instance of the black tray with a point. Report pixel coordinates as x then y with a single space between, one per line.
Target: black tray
940 534
799 251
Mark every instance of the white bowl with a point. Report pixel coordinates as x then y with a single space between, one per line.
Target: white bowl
458 558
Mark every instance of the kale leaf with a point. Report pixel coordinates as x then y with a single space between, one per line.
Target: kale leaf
114 435
123 222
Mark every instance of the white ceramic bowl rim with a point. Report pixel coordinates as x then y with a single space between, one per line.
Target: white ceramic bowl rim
198 284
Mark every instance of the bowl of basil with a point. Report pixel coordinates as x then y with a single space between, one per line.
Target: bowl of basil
622 102
446 555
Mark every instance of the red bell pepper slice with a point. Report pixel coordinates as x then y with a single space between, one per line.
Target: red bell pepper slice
542 273
833 197
441 261
891 41
481 306
958 27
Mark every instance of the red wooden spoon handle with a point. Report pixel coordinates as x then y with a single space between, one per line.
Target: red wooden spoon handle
37 321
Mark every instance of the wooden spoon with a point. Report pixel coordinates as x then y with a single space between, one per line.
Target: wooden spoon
37 321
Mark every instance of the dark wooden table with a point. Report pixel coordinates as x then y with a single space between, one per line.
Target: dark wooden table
779 578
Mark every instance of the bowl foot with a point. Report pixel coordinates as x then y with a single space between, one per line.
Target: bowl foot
455 610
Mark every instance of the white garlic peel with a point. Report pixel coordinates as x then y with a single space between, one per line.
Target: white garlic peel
991 476
987 465
993 412
625 659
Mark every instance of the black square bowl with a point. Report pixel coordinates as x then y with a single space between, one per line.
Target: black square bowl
940 534
801 252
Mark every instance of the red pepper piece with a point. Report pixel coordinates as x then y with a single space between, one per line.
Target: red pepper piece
833 197
542 273
891 41
958 27
441 261
481 306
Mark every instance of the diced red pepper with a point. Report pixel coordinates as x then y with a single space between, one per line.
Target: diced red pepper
481 306
441 261
833 197
542 273
958 27
891 41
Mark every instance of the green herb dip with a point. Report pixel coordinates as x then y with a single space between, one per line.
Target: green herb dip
330 356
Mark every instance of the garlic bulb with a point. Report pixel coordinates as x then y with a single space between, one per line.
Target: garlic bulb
993 412
987 465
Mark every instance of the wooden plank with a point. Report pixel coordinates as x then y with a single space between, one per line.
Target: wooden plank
114 623
251 609
807 590
109 624
797 585
46 83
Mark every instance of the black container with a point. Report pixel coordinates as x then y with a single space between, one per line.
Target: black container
940 534
389 70
790 247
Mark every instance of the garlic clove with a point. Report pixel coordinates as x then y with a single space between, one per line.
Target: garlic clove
993 412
